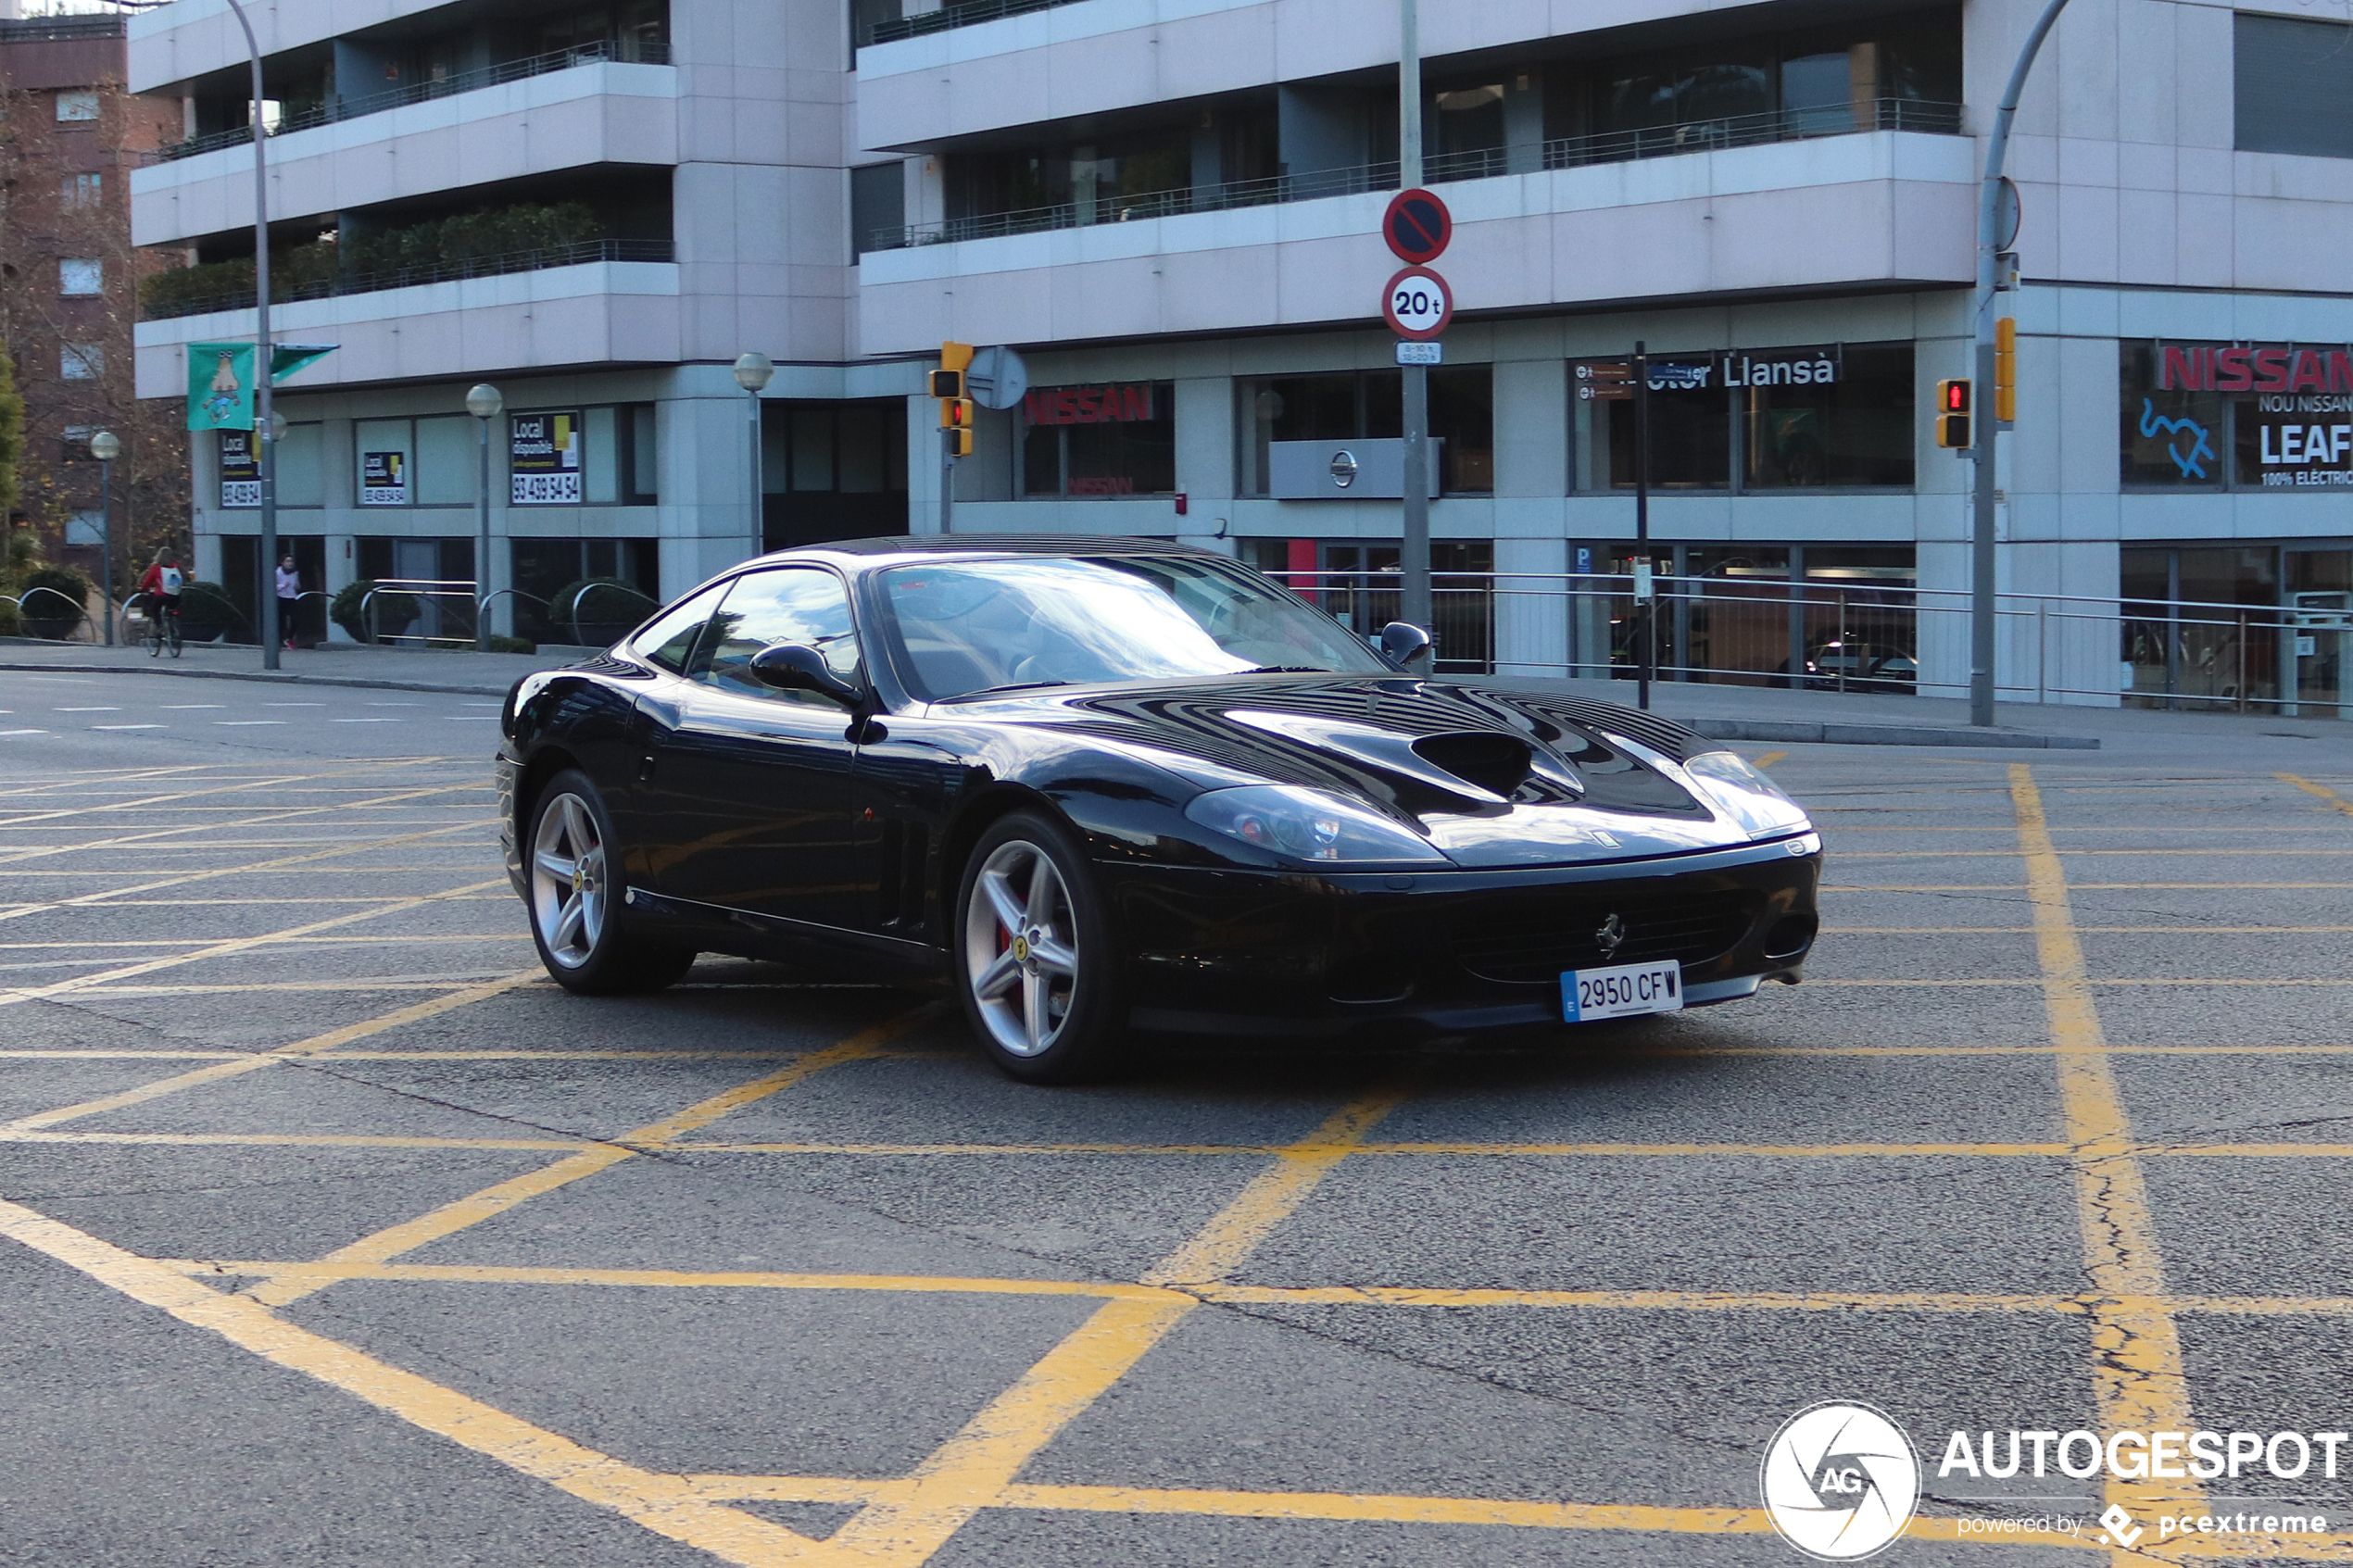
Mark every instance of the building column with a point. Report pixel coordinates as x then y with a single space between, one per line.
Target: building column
1531 612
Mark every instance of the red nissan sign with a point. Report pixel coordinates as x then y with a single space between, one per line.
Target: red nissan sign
1120 403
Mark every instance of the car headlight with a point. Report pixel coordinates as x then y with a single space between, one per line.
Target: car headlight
1307 824
1738 790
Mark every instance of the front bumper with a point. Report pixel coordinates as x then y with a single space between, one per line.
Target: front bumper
1446 952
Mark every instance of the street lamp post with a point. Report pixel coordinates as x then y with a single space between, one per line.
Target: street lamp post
264 437
485 403
106 446
754 370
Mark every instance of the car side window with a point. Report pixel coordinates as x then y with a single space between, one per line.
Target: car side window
671 641
803 605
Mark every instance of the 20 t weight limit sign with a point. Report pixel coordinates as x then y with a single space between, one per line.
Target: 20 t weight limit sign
1417 304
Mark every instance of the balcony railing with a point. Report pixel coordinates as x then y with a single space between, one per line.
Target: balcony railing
438 272
625 50
1566 152
964 15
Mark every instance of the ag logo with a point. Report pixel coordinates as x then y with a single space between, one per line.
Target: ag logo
1840 1480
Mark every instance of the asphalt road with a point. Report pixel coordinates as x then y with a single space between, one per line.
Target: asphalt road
334 1235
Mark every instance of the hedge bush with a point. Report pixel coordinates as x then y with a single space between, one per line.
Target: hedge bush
209 604
42 588
393 610
601 601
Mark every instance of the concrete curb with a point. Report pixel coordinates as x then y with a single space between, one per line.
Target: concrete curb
281 679
1800 731
1824 733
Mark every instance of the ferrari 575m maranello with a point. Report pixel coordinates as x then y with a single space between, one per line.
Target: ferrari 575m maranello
1100 785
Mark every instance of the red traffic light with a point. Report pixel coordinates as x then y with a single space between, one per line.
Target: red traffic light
1953 396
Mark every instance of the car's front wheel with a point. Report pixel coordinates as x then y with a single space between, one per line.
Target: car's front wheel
1036 966
575 880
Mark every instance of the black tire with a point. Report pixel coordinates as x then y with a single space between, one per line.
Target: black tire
1048 1004
582 940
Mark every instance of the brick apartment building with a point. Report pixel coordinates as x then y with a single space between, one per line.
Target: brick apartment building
70 133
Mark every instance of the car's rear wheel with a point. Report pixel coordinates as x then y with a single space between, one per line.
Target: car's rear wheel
575 880
1036 966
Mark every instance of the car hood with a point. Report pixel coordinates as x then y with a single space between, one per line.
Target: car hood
1491 774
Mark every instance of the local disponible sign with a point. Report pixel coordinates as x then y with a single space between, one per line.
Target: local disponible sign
542 459
2296 430
384 479
240 473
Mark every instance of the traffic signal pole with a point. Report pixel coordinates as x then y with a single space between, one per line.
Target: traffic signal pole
1989 196
955 422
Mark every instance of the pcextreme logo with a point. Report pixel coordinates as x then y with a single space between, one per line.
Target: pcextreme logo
1840 1480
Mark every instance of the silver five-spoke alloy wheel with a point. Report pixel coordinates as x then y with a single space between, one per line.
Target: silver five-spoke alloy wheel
568 881
1020 948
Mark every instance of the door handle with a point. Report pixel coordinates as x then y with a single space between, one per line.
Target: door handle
645 768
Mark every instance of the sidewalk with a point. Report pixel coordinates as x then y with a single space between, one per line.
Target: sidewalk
1743 713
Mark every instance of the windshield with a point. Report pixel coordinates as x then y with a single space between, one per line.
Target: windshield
984 625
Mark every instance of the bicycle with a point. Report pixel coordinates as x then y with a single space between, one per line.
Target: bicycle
163 628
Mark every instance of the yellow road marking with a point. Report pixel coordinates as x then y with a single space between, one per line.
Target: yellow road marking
290 1140
2321 791
143 841
1768 759
971 1470
664 1504
2138 1379
94 900
413 1012
235 945
450 1218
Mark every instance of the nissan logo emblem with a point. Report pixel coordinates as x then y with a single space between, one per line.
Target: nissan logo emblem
1344 468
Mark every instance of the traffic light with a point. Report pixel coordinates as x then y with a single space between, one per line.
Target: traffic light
2005 370
1953 413
955 408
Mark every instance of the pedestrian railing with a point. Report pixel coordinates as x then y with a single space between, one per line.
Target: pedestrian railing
433 588
1819 635
1480 163
628 51
574 253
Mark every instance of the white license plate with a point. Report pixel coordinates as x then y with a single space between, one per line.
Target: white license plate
1630 989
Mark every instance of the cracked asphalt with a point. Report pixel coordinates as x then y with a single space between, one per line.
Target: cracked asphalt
332 1233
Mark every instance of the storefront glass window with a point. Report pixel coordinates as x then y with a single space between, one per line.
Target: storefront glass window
1117 438
1824 418
1369 406
1856 430
2281 411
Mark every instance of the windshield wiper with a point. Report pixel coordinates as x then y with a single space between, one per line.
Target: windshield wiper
1286 670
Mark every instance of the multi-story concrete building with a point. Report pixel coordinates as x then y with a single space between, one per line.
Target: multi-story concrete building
1173 209
70 133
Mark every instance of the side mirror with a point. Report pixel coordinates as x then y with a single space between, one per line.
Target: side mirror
795 667
1403 642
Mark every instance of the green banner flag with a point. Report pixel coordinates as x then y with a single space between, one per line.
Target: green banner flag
221 378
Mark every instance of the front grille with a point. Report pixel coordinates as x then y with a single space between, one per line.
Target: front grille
1536 940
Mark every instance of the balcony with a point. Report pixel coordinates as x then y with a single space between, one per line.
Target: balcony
333 285
626 51
1568 151
890 30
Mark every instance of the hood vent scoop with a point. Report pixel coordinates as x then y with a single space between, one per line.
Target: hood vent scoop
1497 764
1483 767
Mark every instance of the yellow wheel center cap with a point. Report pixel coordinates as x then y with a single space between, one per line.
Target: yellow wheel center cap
1021 949
578 880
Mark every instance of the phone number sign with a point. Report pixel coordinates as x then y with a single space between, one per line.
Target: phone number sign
542 459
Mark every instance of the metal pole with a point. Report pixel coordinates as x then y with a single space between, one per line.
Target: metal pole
106 515
759 479
947 481
1982 449
482 546
1413 552
266 586
1645 650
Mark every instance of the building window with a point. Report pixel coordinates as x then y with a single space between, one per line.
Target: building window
877 209
81 361
2213 416
2295 86
1369 406
81 276
79 104
1117 438
80 193
1831 417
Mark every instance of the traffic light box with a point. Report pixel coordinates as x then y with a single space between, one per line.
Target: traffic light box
2005 370
1953 413
955 408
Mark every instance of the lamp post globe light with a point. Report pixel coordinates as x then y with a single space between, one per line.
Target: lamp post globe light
485 403
106 446
754 370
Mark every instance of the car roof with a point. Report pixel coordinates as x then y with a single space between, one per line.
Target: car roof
866 555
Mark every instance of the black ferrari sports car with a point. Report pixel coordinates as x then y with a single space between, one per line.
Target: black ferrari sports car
1104 784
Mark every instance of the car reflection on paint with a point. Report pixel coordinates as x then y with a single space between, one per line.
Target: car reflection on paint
1101 785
